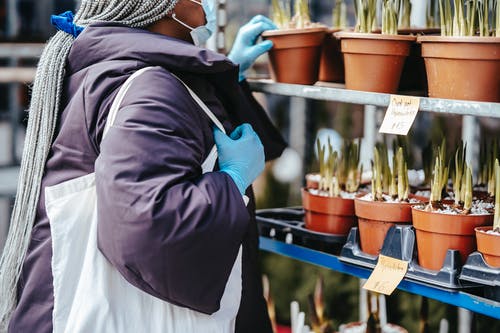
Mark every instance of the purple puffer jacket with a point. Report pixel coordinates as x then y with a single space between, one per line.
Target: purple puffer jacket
168 229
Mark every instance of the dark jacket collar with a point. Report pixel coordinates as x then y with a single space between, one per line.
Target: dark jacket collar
101 42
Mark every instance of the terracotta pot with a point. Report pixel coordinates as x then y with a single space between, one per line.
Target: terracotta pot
331 68
437 233
327 214
489 246
462 67
374 62
375 218
295 55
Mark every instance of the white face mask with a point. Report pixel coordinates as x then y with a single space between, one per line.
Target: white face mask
201 34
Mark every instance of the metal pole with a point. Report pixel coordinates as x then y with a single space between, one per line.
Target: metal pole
298 116
12 18
470 135
221 26
363 300
370 135
13 103
465 319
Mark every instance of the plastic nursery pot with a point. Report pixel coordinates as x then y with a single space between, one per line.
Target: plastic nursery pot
327 214
489 245
331 68
295 55
465 68
374 62
437 233
375 218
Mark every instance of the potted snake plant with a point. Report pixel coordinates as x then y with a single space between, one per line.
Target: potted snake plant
329 204
296 53
389 202
449 224
464 62
374 62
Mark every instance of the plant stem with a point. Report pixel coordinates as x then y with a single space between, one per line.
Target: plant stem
302 16
390 17
393 187
497 23
377 176
366 11
458 178
401 164
468 190
339 15
280 14
405 14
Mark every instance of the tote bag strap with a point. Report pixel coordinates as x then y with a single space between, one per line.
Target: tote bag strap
203 106
125 87
113 112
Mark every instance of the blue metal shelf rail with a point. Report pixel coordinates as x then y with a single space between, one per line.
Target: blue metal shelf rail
457 298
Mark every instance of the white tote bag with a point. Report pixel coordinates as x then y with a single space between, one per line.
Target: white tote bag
90 295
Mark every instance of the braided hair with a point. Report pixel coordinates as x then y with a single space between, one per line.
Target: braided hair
43 112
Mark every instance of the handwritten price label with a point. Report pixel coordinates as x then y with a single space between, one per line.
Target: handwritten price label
387 275
400 115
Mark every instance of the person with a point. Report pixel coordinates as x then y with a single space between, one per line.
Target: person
170 230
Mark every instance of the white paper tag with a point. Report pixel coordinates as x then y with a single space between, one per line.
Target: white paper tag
387 275
400 115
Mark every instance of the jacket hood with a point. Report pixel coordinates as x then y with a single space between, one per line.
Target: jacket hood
103 42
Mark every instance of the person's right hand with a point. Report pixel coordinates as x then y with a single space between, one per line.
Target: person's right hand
241 155
246 49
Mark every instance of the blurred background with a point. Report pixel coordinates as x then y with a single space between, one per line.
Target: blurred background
25 26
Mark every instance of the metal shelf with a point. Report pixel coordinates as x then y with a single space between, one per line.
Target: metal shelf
457 298
337 93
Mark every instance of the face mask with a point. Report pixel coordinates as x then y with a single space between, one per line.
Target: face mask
201 34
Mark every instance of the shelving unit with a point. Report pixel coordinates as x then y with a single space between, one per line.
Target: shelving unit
457 298
337 93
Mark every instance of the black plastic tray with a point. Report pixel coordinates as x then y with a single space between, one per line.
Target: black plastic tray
400 243
476 270
287 225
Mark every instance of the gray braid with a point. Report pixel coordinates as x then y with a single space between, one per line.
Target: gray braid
43 112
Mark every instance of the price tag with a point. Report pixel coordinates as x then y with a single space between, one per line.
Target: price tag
387 275
400 115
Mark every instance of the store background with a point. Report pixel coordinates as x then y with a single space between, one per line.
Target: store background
28 21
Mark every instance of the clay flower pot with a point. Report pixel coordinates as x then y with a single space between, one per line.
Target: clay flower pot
375 218
489 245
331 68
374 62
465 68
295 55
327 214
437 233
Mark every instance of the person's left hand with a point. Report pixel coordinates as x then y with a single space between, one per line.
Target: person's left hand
245 50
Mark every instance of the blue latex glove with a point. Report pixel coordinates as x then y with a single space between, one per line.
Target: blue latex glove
241 155
245 49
